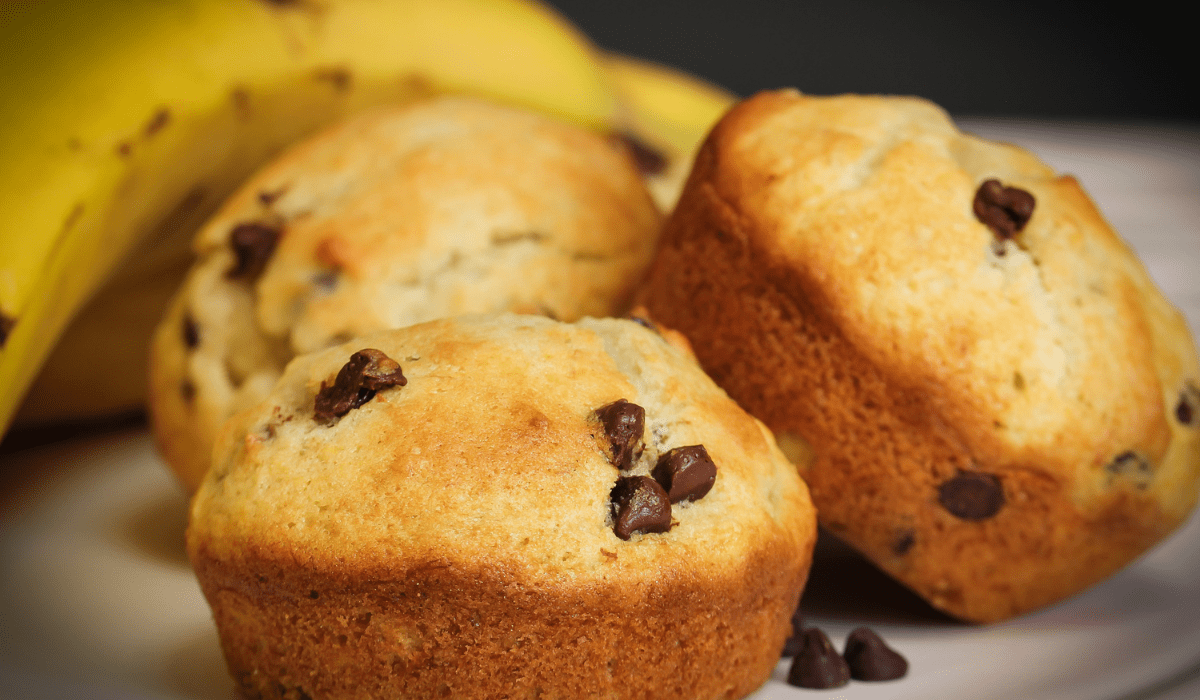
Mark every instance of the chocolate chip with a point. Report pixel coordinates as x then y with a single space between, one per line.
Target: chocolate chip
253 244
795 643
191 332
639 504
643 322
624 424
818 665
686 473
7 323
972 495
366 373
649 160
1189 404
1133 466
1005 210
870 659
268 197
904 542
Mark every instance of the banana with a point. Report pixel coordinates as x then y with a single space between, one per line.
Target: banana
99 367
121 116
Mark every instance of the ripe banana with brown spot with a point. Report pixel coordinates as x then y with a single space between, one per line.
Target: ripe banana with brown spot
126 123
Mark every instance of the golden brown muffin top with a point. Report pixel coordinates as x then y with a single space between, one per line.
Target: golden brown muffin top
1050 345
491 455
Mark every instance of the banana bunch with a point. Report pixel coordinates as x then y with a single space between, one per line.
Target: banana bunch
126 124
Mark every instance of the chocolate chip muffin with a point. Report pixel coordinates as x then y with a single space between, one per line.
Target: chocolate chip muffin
398 216
506 506
982 387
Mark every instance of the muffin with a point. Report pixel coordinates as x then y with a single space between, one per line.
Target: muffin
503 506
979 382
397 216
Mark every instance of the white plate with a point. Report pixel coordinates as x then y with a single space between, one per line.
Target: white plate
97 599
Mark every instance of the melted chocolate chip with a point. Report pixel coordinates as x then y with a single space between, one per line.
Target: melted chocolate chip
870 659
191 332
972 495
624 424
904 542
639 504
1189 404
1005 210
1133 466
366 373
7 323
818 665
795 643
253 244
649 160
686 473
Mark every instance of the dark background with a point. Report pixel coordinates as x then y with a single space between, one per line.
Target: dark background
1027 59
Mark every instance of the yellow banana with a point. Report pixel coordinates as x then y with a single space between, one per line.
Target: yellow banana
121 116
99 367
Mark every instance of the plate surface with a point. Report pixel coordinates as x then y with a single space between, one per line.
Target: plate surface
97 599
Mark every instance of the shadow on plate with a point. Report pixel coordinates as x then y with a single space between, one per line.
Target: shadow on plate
156 529
846 587
196 669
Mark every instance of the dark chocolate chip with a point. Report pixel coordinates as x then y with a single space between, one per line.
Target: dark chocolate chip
366 373
314 595
818 665
795 642
1189 404
253 244
649 160
904 542
1133 466
1005 210
972 495
639 504
870 659
160 119
191 332
644 322
686 473
624 424
7 323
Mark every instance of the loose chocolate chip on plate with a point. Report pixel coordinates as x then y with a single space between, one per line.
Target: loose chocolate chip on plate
1005 210
624 423
1189 404
191 333
795 643
367 372
818 665
253 244
972 495
686 473
649 160
639 504
870 659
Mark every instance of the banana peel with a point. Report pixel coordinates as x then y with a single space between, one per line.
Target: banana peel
99 367
120 115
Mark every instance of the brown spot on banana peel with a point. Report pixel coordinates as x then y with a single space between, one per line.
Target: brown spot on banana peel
240 97
7 323
160 119
338 76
